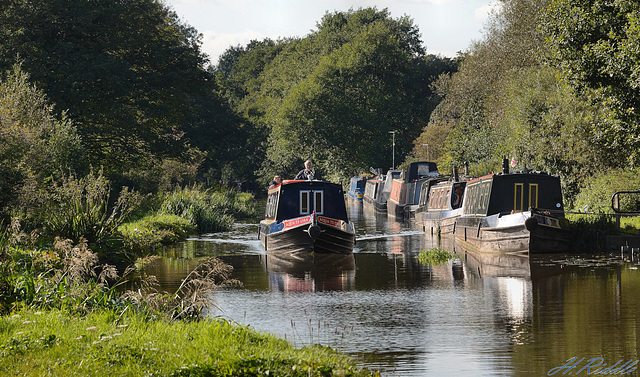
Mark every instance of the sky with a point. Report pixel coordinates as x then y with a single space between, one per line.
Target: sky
447 26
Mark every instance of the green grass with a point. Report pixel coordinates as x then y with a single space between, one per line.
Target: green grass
152 231
102 344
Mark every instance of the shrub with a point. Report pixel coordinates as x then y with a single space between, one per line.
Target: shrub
596 196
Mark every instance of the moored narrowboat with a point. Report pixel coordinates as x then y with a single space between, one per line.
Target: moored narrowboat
306 216
513 212
356 188
406 189
443 207
377 190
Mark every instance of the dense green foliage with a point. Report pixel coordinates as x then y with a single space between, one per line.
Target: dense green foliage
553 85
436 257
597 195
595 45
132 78
207 210
334 95
125 86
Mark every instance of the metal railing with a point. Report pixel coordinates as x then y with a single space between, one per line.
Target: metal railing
615 205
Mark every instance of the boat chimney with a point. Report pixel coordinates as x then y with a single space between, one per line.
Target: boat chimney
466 168
456 178
505 166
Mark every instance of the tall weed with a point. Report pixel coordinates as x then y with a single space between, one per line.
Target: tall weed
80 209
208 210
70 277
193 296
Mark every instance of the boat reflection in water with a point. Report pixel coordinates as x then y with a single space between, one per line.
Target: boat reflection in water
493 264
310 272
508 280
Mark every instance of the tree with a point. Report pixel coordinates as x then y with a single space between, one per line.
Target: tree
35 146
596 45
334 95
129 73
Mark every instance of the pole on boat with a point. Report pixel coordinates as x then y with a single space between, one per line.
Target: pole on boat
393 144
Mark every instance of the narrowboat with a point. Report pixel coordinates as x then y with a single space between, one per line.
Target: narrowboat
406 189
417 204
377 190
443 207
356 188
306 216
513 212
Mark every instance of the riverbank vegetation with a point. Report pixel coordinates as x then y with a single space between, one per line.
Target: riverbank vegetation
106 343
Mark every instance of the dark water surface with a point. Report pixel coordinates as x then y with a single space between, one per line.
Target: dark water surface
490 316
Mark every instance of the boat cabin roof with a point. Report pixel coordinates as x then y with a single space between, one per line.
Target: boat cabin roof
420 170
295 198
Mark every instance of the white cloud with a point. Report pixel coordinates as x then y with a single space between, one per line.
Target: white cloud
214 44
485 11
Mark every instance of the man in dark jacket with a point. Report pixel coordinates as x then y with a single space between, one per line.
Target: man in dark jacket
308 173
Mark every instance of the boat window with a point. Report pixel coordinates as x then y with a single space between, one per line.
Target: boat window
457 196
484 197
518 197
533 195
441 196
468 203
272 205
305 198
318 202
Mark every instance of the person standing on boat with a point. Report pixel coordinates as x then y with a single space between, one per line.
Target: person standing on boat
308 173
276 181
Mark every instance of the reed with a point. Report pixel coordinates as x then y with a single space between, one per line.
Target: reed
588 231
208 210
200 207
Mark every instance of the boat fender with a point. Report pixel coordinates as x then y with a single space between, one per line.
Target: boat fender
531 223
314 231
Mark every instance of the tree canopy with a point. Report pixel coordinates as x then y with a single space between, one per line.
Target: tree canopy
551 84
596 45
335 94
129 73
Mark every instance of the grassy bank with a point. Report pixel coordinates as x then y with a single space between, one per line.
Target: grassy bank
62 311
105 343
174 216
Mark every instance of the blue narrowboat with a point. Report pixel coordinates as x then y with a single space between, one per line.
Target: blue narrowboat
356 188
306 216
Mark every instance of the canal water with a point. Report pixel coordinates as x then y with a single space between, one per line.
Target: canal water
471 316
